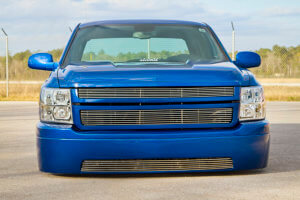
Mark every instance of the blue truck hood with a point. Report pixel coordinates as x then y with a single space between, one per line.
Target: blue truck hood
220 74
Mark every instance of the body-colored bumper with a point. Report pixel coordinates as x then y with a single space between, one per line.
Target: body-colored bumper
61 149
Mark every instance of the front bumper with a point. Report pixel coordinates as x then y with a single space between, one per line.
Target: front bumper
61 149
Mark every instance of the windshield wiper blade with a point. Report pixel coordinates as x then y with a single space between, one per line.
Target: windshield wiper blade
93 63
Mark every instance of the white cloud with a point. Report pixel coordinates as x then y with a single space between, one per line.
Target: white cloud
43 24
277 11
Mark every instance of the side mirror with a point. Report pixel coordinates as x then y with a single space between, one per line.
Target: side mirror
42 61
247 59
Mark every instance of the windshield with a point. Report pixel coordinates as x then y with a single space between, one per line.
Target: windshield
138 44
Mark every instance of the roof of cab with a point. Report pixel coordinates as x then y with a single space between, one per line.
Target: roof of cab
141 21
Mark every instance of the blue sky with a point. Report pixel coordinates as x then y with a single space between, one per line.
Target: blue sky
40 25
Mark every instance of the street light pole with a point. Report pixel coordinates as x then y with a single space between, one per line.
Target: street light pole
148 44
6 36
233 43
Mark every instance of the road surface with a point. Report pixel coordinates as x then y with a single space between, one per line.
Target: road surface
20 178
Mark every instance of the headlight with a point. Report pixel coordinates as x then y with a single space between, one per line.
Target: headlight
252 104
56 106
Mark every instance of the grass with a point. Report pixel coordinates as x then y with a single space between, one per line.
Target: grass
30 92
282 93
279 80
20 92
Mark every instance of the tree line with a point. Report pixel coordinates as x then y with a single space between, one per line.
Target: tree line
279 61
18 69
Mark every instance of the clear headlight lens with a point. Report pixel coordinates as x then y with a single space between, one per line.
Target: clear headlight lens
56 106
252 104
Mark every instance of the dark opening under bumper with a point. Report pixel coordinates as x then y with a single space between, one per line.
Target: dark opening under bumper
61 149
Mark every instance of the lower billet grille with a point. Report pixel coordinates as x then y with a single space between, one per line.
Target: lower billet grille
195 164
156 117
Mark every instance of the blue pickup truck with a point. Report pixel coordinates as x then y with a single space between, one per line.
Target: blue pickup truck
149 96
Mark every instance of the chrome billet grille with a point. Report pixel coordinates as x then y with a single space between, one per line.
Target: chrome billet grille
156 117
156 165
155 92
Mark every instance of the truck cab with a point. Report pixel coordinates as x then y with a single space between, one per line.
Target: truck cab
149 96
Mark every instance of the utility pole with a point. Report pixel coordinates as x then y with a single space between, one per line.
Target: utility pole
6 36
233 43
148 44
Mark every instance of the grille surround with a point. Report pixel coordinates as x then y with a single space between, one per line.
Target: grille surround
155 92
194 164
156 117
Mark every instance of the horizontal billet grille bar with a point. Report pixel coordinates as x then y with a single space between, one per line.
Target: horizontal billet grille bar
156 165
155 92
156 117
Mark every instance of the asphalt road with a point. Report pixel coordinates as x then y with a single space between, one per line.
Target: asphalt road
20 178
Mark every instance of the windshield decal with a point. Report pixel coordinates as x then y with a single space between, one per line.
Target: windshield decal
149 60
